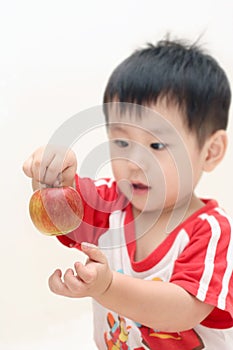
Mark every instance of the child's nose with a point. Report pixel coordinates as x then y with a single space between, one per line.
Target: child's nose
139 158
134 165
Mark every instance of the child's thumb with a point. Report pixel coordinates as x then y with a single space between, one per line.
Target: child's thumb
93 252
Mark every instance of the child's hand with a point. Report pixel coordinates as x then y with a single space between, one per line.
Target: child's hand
92 279
51 166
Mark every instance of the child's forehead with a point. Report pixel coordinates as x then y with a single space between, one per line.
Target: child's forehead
138 116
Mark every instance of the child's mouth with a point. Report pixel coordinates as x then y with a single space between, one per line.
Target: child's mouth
140 188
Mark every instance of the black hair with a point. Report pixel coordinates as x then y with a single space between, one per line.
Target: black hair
182 73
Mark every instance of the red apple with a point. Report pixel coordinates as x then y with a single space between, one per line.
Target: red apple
56 210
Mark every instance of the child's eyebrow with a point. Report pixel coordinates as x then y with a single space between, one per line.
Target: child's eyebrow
116 127
162 130
155 131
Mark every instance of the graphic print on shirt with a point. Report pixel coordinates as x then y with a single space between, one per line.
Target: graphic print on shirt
187 340
117 337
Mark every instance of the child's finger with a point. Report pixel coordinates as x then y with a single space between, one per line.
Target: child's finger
93 252
51 167
58 162
27 167
87 275
56 285
71 281
66 178
37 169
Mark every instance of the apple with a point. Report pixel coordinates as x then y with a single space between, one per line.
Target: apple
56 210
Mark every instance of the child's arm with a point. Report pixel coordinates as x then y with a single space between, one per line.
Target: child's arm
51 166
158 305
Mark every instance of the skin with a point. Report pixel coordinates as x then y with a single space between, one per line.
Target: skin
160 305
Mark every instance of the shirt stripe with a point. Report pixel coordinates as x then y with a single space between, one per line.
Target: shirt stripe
102 182
226 278
210 256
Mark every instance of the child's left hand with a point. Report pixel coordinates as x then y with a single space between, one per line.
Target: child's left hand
91 279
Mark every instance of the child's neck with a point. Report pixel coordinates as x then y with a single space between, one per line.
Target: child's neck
152 228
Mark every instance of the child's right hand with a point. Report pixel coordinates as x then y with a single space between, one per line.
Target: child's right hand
51 166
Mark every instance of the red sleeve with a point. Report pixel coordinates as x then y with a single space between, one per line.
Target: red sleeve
205 267
100 198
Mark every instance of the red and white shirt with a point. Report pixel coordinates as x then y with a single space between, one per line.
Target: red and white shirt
197 255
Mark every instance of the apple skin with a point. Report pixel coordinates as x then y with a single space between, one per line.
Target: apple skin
56 210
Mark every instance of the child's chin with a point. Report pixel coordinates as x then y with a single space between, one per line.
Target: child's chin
146 207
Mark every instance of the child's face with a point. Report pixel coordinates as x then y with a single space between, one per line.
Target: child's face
155 159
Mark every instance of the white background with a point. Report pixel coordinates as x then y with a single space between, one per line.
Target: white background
55 59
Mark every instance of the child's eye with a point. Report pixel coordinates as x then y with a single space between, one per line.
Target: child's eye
121 143
157 145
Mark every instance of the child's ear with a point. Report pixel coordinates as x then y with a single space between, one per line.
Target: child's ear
215 150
